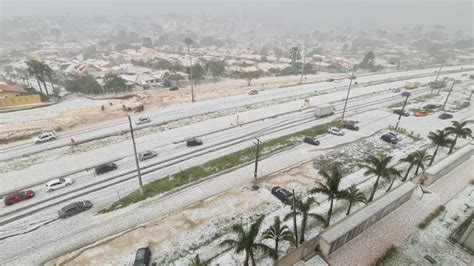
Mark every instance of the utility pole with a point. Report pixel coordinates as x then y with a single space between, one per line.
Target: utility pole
449 93
295 226
188 43
136 158
437 75
304 61
406 94
470 95
255 187
347 97
319 65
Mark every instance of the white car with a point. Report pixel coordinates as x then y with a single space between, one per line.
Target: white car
336 131
43 137
253 92
58 183
143 120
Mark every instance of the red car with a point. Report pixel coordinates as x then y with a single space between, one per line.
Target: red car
18 196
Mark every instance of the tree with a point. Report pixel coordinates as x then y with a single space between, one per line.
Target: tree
216 68
162 64
421 156
378 166
368 61
458 130
133 37
354 195
246 241
278 233
83 84
114 82
46 70
303 209
198 72
249 75
330 189
411 159
35 69
294 55
440 139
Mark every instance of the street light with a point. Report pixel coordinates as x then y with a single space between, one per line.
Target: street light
142 192
352 77
189 42
255 187
406 94
447 97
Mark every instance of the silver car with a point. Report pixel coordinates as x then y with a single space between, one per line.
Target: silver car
143 120
147 155
336 131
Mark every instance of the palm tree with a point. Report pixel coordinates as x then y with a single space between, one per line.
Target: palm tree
420 158
378 165
354 195
34 70
331 188
49 73
197 261
459 130
411 159
278 233
294 55
302 209
391 174
440 139
246 241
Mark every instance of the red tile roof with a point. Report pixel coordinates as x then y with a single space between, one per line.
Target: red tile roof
11 88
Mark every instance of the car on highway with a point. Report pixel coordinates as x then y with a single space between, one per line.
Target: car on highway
311 140
58 183
253 92
143 120
18 196
74 208
351 126
193 142
142 257
143 156
445 116
336 131
330 80
282 194
104 168
400 112
390 138
421 113
395 90
44 137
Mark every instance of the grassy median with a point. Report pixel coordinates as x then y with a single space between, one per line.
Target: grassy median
217 165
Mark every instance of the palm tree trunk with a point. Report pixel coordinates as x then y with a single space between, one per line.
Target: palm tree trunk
349 209
45 87
246 261
434 155
374 189
408 171
329 213
39 85
303 228
453 144
391 184
51 81
252 257
417 168
276 248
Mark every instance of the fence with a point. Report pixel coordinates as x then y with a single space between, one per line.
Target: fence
19 100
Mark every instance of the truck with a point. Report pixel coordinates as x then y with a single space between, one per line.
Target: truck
410 85
323 110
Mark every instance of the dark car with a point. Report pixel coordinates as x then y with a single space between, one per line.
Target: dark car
193 142
400 112
74 208
431 106
330 80
142 258
390 138
351 126
282 194
174 88
104 168
311 140
18 196
445 116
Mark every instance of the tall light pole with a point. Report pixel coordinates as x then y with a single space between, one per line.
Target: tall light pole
447 97
406 94
188 42
347 97
304 61
470 95
256 165
142 192
437 75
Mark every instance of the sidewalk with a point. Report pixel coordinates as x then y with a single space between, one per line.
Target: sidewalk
397 226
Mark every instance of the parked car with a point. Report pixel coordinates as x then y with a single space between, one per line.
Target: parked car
432 106
311 140
253 92
74 208
330 80
336 131
143 120
58 183
390 138
44 137
104 168
445 116
351 126
142 257
174 88
282 194
421 113
403 113
18 196
147 155
452 110
193 142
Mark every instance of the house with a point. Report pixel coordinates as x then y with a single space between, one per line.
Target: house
7 90
13 95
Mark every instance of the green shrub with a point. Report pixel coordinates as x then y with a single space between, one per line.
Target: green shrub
431 217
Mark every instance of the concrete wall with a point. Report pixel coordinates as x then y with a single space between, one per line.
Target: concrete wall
447 164
19 100
467 240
